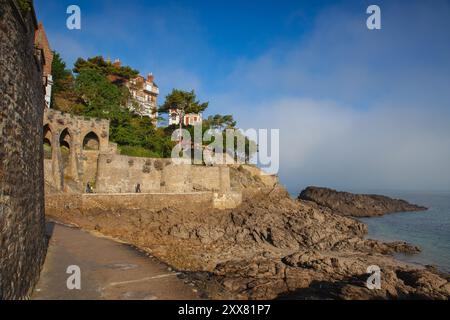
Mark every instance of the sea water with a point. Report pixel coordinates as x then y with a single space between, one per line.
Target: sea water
430 230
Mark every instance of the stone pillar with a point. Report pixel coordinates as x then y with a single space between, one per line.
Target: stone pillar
224 176
73 163
56 162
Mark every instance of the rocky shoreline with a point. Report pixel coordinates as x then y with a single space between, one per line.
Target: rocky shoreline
270 247
356 205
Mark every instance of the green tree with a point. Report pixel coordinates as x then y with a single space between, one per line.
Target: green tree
185 100
221 122
92 93
95 92
106 68
61 75
135 135
63 97
100 97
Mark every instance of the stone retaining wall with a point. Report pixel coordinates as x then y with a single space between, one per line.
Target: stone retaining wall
119 174
118 202
22 227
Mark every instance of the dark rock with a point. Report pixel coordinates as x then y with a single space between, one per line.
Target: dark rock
356 205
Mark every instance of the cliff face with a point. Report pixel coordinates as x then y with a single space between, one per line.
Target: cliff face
356 205
269 247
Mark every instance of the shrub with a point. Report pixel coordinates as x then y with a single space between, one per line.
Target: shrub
134 151
24 6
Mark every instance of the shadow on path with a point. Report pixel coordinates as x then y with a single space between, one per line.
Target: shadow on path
109 270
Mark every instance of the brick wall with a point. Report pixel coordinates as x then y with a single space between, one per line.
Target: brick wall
41 40
22 226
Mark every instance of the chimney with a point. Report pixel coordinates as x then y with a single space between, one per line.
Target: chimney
117 63
150 77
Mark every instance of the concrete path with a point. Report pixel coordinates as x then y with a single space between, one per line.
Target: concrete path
109 270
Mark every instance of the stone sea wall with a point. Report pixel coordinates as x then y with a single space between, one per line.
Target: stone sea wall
111 203
117 202
22 227
118 173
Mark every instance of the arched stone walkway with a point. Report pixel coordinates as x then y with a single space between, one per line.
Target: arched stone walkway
72 145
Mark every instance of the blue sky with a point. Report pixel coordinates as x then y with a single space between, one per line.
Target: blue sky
199 41
357 109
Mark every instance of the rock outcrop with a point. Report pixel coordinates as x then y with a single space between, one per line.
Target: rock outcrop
356 205
269 247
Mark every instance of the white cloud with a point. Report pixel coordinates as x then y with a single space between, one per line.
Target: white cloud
326 144
357 109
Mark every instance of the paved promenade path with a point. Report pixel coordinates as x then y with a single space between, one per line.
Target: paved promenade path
109 270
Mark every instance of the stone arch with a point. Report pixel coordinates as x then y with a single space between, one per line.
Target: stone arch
65 138
91 141
65 147
48 142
